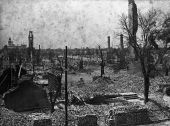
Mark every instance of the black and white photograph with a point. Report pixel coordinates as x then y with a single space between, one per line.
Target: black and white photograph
84 62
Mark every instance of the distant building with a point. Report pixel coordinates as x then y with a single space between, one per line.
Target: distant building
13 54
11 45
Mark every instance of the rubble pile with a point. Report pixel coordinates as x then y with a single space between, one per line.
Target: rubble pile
102 85
10 118
101 111
58 118
125 82
118 83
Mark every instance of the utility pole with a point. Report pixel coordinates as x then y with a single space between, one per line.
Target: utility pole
66 93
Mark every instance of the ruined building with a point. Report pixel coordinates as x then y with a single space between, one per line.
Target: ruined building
133 25
12 54
10 43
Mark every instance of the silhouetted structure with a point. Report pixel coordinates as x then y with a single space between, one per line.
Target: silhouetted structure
121 42
31 48
9 78
27 96
38 56
108 42
133 24
30 39
109 53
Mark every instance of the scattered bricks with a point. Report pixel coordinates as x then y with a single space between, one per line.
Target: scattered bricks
39 119
87 120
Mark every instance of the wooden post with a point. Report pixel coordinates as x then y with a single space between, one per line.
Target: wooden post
102 63
66 93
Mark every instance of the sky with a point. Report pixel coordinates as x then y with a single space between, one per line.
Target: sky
72 23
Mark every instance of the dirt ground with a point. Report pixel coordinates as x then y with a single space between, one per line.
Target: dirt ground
124 82
120 82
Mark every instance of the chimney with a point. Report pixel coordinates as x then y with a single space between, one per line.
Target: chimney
30 34
30 39
121 42
131 1
108 42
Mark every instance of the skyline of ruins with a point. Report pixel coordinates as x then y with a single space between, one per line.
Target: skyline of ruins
72 22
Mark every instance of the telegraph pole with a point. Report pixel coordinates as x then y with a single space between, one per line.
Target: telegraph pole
66 93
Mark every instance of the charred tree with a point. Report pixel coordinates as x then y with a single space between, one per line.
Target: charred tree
148 25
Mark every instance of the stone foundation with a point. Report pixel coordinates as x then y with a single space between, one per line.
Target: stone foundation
133 116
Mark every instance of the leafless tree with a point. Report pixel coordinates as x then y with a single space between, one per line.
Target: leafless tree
164 36
148 26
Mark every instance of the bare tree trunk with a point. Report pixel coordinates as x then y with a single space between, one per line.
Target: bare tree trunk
146 80
52 107
102 69
81 64
166 71
146 88
51 101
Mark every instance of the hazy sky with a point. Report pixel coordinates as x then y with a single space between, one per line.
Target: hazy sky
75 23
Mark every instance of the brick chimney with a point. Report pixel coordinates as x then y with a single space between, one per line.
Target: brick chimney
121 42
108 42
30 39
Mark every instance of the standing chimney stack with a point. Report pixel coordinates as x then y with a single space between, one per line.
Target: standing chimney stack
30 39
121 42
108 42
